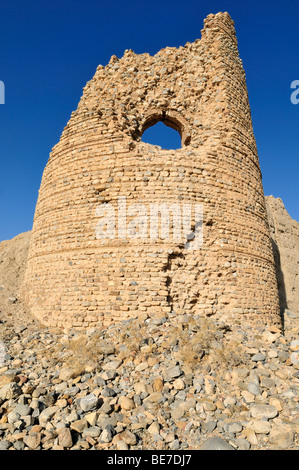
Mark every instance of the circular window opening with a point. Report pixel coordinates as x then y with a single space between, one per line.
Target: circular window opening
162 135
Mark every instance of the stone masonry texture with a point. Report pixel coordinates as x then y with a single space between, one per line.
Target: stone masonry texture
285 239
73 278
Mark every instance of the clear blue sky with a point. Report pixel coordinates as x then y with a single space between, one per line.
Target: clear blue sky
50 49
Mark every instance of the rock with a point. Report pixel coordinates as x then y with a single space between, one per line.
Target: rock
269 337
6 379
250 436
106 408
91 418
10 391
12 417
209 406
254 388
128 437
248 397
141 387
89 402
171 373
179 384
158 384
126 403
106 420
242 444
177 410
209 426
263 411
267 383
216 443
258 357
282 436
67 373
92 431
32 440
47 414
294 345
283 356
71 392
234 427
112 365
39 391
49 400
154 428
23 410
5 445
272 354
276 403
142 366
19 445
295 358
108 392
153 397
65 439
121 445
210 386
261 427
106 435
100 380
107 375
158 321
79 425
105 347
174 445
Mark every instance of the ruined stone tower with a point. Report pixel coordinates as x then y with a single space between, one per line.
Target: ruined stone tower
74 277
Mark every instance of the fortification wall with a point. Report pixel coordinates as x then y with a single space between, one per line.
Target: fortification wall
76 279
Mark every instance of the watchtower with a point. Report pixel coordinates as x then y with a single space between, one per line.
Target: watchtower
76 277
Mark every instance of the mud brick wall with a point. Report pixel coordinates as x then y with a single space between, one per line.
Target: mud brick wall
75 279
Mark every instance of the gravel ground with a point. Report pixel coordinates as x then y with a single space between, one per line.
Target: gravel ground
165 383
